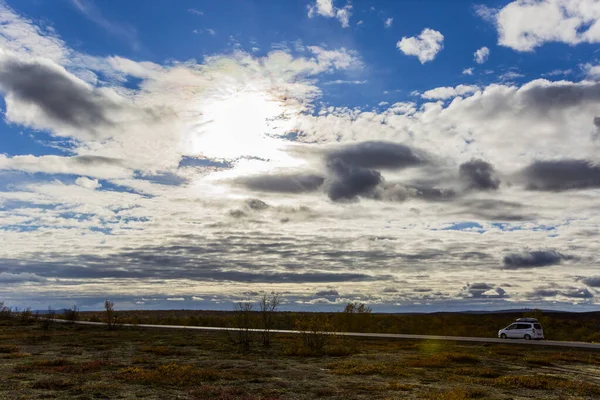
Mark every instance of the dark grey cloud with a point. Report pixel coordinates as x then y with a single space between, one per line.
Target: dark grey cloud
142 265
479 175
596 134
433 194
378 155
562 175
481 290
61 97
545 293
533 259
390 290
331 292
8 278
162 178
348 181
257 204
237 213
495 210
581 293
474 255
480 286
285 183
398 192
544 99
97 160
229 256
593 281
201 162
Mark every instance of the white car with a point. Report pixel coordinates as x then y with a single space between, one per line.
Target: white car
523 328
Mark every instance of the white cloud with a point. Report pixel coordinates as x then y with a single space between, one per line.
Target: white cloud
195 12
22 37
98 167
344 82
93 13
468 71
343 15
442 93
88 183
425 46
388 22
210 31
525 25
481 55
486 13
323 8
507 76
558 72
326 8
591 71
340 59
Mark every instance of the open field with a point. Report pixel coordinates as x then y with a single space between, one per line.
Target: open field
88 362
563 326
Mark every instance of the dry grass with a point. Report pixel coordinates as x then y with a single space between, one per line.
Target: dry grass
442 360
163 351
367 367
71 361
479 372
173 374
457 393
547 382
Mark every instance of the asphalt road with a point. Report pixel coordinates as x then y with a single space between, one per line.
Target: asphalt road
378 335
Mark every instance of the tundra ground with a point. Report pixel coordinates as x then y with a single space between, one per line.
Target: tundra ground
87 362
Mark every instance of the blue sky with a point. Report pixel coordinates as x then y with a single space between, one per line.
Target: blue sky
413 155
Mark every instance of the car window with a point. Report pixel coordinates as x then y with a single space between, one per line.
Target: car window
513 326
523 326
537 326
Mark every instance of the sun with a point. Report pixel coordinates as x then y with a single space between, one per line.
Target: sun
242 123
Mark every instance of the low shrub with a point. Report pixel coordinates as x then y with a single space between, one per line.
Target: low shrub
366 367
398 386
163 351
43 364
480 372
457 393
546 382
54 384
443 360
9 348
173 375
542 361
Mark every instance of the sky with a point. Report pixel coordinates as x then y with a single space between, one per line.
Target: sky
410 155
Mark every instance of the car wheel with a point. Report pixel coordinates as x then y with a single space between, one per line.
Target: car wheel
527 337
503 336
